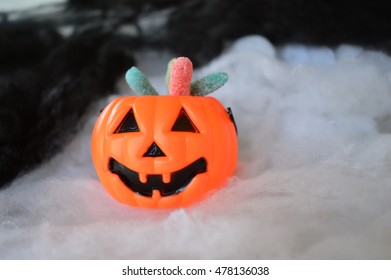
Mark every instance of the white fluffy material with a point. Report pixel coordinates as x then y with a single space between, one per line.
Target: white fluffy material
20 5
313 179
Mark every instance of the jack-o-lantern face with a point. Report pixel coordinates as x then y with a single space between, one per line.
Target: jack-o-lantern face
164 151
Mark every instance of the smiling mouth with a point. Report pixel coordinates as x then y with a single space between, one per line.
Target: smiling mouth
179 179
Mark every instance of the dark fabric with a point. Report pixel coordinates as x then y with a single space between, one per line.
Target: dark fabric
200 29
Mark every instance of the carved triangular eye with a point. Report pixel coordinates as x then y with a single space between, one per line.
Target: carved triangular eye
183 123
128 124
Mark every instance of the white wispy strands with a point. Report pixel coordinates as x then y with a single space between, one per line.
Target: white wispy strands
313 178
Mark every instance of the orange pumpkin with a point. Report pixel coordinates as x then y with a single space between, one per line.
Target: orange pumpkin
164 151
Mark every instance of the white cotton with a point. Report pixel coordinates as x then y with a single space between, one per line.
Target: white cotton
17 5
313 180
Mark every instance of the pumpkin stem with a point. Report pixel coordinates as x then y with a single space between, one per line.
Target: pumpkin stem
180 76
139 83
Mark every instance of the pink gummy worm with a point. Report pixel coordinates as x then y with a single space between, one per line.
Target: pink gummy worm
181 75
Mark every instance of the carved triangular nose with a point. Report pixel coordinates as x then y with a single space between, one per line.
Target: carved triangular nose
154 151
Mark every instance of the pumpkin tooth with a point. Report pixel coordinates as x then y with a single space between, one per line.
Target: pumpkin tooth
166 178
142 177
156 195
